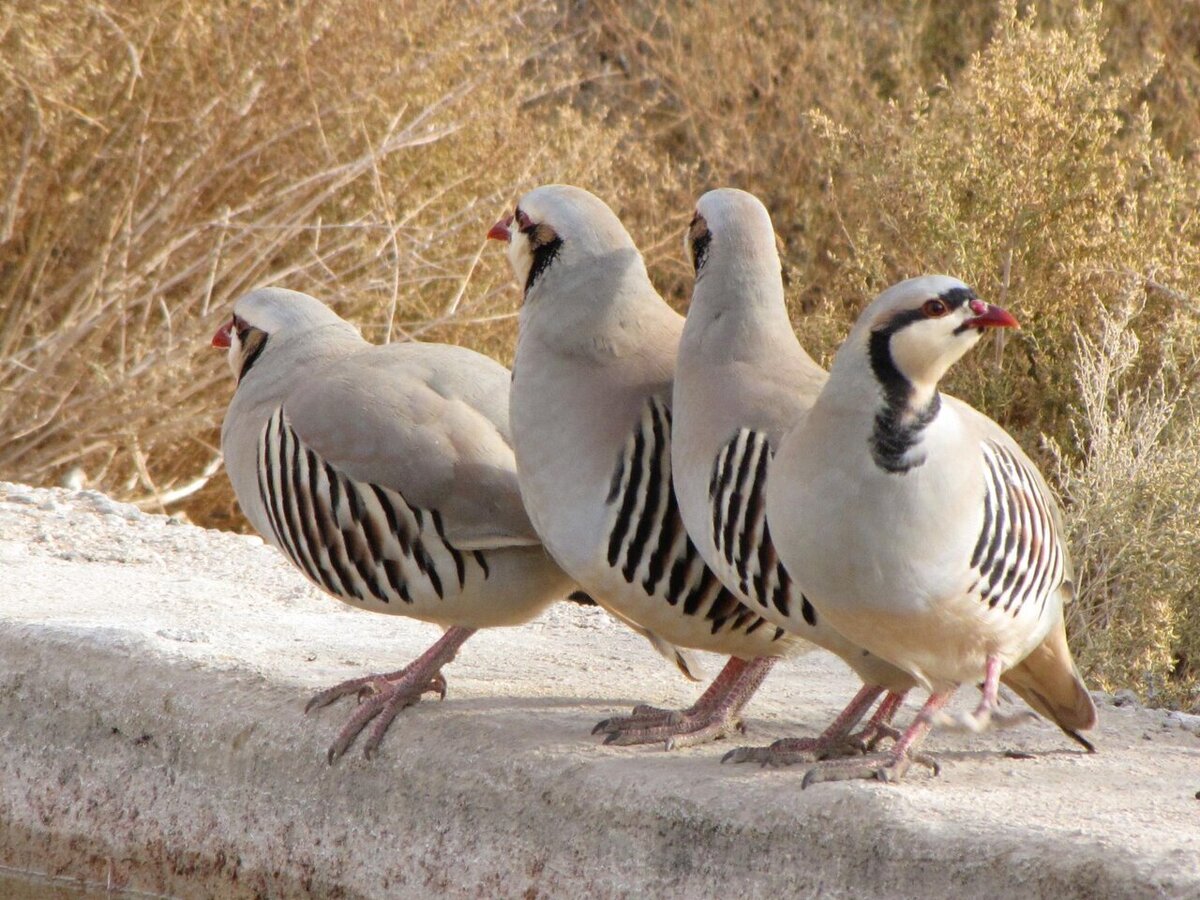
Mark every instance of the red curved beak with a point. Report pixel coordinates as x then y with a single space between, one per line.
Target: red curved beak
500 231
224 336
989 316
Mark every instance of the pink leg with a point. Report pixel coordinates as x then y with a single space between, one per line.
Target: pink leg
713 716
987 714
880 725
381 697
834 740
892 765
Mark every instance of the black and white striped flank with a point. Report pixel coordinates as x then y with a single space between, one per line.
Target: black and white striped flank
647 541
1019 555
738 500
356 540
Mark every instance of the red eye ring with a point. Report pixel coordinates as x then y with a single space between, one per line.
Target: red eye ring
934 308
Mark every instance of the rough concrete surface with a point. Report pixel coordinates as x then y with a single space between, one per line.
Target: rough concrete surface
152 678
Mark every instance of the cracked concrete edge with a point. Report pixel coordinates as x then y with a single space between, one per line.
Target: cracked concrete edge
188 782
181 767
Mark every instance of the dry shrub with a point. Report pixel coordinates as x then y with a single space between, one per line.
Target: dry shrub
1134 502
1036 178
171 156
722 91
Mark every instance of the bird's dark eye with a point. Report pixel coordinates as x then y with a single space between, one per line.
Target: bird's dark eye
524 223
934 308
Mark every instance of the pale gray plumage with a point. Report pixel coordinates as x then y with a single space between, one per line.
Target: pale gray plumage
427 424
889 499
741 383
591 412
385 473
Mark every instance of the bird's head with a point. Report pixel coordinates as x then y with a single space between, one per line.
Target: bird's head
730 228
265 314
555 229
916 329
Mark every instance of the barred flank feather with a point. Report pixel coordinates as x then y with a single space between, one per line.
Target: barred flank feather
737 494
647 541
355 540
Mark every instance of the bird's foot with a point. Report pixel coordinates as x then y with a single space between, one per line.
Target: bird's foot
867 740
887 767
364 687
380 697
984 718
789 751
675 728
643 716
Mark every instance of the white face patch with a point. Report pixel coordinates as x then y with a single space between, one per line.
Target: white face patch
233 355
520 254
923 350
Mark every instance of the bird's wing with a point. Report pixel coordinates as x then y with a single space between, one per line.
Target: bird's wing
427 421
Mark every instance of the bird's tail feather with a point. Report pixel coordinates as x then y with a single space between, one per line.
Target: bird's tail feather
687 662
1049 682
583 598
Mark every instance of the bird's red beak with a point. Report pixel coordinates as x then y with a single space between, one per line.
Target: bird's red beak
500 231
224 336
989 316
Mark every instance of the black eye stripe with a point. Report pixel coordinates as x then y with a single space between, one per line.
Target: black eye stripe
699 238
543 255
953 298
700 249
956 297
253 341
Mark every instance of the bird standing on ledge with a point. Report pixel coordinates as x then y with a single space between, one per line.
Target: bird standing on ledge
386 475
591 413
920 528
742 381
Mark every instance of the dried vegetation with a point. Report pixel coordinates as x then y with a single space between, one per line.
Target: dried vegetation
162 157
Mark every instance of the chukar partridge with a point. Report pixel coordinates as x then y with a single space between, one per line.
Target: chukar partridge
591 414
919 528
386 475
742 380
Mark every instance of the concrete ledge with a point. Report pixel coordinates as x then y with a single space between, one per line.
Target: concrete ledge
152 677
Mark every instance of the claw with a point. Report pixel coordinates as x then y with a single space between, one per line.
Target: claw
889 768
789 751
381 697
871 737
437 685
714 716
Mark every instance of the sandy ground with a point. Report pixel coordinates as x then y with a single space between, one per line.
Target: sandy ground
152 678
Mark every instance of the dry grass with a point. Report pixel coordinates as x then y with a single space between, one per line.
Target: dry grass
162 157
175 155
